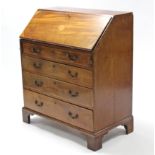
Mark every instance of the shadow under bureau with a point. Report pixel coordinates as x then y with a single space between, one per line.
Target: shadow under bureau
77 70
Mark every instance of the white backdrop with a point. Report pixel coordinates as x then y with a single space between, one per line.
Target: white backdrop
43 138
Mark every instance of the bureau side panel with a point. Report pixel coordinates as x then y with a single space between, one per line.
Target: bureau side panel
113 72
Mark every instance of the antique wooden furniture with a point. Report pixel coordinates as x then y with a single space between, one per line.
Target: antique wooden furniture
77 70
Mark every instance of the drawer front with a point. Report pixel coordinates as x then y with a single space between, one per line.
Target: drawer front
68 92
63 111
74 57
62 72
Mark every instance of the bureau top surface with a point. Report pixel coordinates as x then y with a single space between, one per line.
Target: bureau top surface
79 28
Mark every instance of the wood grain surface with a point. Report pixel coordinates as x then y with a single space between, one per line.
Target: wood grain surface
69 29
73 57
113 81
63 111
59 71
68 92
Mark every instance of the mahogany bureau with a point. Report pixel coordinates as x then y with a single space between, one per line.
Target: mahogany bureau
77 70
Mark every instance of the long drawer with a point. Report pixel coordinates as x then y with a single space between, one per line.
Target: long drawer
60 110
62 90
62 72
67 56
